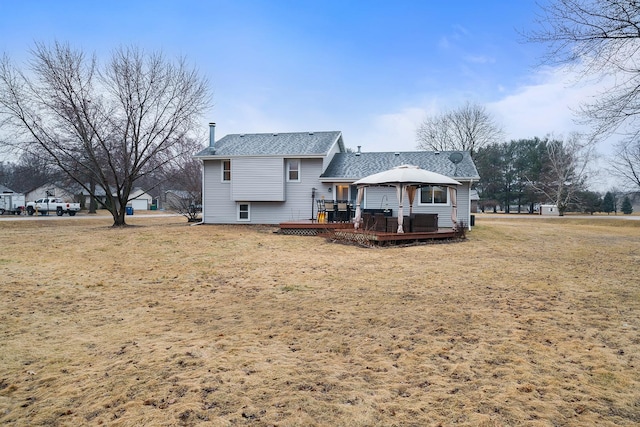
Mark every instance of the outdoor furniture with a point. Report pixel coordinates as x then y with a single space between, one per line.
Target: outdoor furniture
321 211
407 224
421 222
330 208
367 221
392 224
386 212
379 222
343 212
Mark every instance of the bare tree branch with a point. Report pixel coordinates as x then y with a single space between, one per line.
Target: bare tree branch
601 39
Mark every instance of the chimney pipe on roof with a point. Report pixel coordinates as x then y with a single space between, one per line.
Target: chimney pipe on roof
358 152
212 134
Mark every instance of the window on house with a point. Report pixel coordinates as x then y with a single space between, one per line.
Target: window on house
244 212
293 170
226 170
433 194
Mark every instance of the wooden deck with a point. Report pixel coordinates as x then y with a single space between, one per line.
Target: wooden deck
345 231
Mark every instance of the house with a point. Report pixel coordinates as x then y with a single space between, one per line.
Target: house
50 189
138 199
269 178
475 200
4 189
181 199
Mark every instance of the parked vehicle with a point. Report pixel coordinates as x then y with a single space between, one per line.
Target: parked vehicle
12 203
52 204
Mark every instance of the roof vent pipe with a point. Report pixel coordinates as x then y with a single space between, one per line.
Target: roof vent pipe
212 134
358 152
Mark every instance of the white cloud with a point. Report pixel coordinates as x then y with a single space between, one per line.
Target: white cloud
547 105
393 131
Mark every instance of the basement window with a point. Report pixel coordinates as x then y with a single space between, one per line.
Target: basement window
244 212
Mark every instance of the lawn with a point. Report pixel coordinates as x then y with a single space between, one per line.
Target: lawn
530 321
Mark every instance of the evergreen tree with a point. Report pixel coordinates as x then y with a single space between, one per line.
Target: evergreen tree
589 202
626 206
608 203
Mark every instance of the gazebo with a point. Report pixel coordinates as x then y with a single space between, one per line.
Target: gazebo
406 178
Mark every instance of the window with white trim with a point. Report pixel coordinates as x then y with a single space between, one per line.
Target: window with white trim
293 170
226 170
434 195
244 211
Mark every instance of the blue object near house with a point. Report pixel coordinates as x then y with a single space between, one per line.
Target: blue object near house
269 178
129 210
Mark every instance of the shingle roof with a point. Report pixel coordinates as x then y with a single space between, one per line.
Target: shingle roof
353 166
4 189
274 144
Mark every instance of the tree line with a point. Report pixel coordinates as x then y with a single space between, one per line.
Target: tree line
522 174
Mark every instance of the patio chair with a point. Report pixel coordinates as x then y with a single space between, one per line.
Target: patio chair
322 214
330 208
343 212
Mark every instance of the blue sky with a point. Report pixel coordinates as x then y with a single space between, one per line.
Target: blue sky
371 69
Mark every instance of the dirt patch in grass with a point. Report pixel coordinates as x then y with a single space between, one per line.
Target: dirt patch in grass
526 323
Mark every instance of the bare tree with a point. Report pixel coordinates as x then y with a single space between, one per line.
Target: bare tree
467 128
600 39
626 163
104 126
565 171
185 195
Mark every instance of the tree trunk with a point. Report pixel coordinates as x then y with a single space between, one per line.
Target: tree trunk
93 205
118 217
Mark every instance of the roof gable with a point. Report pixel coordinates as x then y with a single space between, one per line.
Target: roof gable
353 166
275 144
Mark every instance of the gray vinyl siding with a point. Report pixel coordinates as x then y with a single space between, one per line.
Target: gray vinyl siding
257 179
216 197
220 208
375 199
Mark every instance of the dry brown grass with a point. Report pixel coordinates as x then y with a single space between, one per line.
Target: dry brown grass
529 322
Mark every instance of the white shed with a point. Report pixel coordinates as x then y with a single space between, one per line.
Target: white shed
549 210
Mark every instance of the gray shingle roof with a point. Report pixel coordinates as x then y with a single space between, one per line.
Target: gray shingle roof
4 189
351 166
274 144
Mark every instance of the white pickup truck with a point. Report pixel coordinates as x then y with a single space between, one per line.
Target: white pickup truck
52 204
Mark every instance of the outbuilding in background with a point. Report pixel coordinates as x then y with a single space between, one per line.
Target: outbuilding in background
549 210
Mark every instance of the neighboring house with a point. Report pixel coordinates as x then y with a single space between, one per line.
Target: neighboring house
475 199
180 198
138 199
100 197
52 190
4 189
271 178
